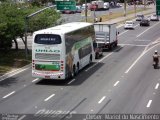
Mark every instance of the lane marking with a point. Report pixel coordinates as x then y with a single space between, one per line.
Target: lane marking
134 63
10 73
49 97
133 45
35 80
103 59
102 99
149 103
123 32
147 29
71 81
116 83
99 61
144 52
156 87
9 94
143 40
21 118
127 30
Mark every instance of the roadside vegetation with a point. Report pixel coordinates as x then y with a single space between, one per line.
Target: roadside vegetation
116 15
12 26
12 59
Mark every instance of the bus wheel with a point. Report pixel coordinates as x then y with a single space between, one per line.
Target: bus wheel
74 71
77 68
90 60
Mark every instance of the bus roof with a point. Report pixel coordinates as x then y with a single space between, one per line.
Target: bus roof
64 28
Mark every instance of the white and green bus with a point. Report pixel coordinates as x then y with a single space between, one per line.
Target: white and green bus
60 52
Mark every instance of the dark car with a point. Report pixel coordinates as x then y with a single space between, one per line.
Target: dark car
98 50
144 22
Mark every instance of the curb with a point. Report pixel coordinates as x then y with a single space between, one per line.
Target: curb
14 72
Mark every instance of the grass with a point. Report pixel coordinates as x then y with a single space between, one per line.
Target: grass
12 59
116 15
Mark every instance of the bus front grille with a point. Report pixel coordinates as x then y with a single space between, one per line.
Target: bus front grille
45 56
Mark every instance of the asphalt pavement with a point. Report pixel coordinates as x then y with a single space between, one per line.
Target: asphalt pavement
122 81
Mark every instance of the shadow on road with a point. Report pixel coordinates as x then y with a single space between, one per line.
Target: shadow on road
79 79
115 49
8 82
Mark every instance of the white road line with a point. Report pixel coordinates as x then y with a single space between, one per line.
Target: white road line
105 57
49 97
21 118
133 45
10 74
9 94
144 51
102 99
156 87
123 32
35 80
147 29
127 30
143 40
149 103
116 83
71 81
99 61
134 63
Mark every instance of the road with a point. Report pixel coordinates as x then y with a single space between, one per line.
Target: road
77 17
122 81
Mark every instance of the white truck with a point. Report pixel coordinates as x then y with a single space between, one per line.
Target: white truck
106 35
97 5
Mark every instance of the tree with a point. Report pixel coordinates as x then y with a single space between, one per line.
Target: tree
12 22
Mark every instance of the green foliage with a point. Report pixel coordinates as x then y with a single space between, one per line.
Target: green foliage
43 20
12 21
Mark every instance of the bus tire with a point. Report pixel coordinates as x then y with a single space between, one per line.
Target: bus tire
77 67
90 59
74 71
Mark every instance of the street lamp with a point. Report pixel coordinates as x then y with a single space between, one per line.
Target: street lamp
125 4
26 27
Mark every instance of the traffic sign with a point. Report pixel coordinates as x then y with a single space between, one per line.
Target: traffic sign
66 5
158 7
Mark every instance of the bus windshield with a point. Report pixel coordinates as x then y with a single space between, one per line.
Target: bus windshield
48 39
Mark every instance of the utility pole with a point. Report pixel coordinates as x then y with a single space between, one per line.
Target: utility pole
125 5
26 27
135 7
86 10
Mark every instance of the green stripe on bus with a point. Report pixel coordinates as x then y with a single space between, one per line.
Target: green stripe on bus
47 67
